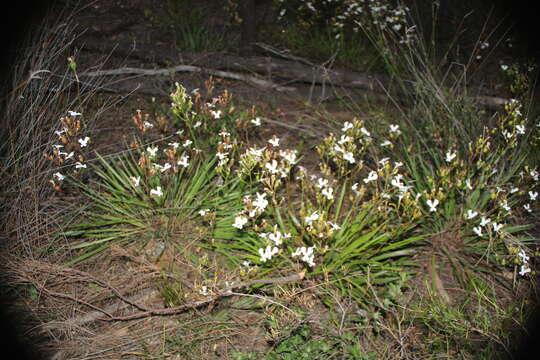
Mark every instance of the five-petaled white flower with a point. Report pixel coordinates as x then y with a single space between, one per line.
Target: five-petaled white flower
240 221
533 195
372 176
520 129
187 143
450 156
256 121
272 167
183 161
395 129
386 143
79 165
471 214
496 227
432 205
216 114
346 126
274 141
266 254
148 125
477 230
203 212
152 150
84 142
484 221
260 203
313 217
156 192
328 193
524 270
527 207
59 176
364 131
307 255
135 181
348 156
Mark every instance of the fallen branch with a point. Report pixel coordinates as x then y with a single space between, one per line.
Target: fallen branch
189 68
225 292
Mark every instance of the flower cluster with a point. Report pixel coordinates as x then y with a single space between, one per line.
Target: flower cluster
349 15
71 149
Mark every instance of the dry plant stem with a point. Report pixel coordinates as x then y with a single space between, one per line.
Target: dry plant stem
225 292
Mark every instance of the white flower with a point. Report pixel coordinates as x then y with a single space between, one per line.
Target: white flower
311 218
240 221
216 114
477 230
179 132
256 121
348 156
524 270
289 155
384 161
272 167
432 205
183 161
246 263
166 167
533 195
523 256
224 133
84 142
322 183
484 221
70 155
152 150
59 176
261 203
397 164
534 175
135 180
344 139
496 227
365 132
471 214
450 156
148 125
156 192
395 129
197 124
334 227
307 255
274 141
79 165
504 67
386 143
203 212
222 156
505 206
74 113
60 132
527 207
256 152
514 190
328 193
520 129
346 126
268 253
175 145
468 184
187 143
57 147
371 177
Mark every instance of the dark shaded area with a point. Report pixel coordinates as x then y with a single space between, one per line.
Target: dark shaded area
19 18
